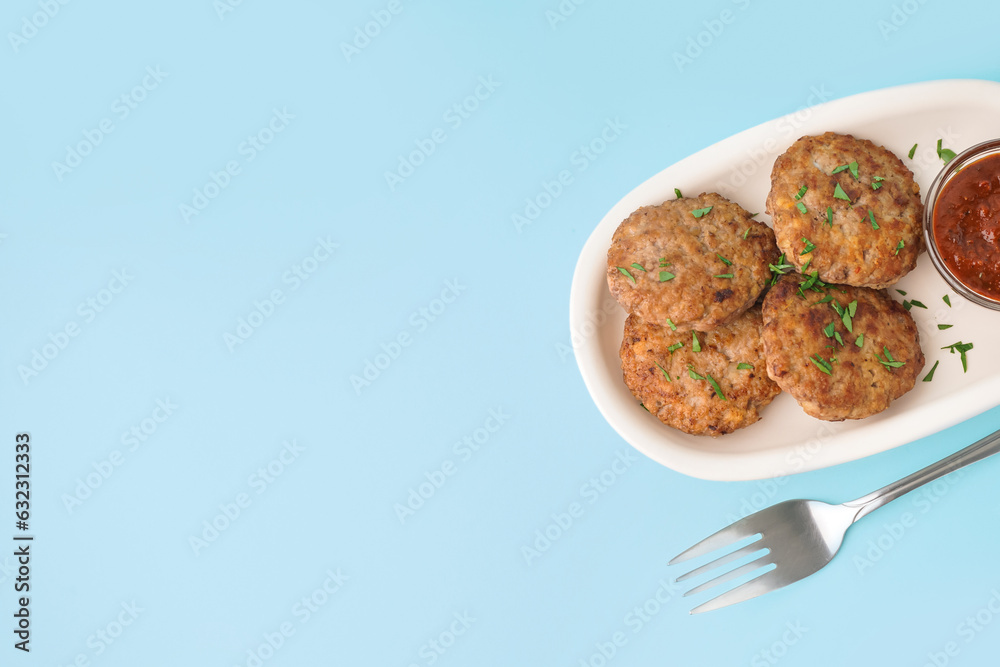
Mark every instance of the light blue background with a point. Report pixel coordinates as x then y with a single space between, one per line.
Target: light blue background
499 345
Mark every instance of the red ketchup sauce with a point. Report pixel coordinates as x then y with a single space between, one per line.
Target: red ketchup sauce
966 225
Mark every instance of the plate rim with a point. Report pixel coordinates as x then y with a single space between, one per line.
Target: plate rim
762 464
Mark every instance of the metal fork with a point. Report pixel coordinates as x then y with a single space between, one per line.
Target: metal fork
799 537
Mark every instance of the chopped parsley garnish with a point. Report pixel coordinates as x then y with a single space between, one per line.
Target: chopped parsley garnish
829 215
942 327
945 154
854 169
743 366
665 276
877 182
699 212
673 348
625 273
837 307
889 362
828 329
822 364
779 269
695 344
846 316
860 340
724 260
664 371
836 335
826 299
918 304
664 262
899 246
643 406
637 265
839 169
693 375
673 327
802 191
913 150
809 246
961 348
947 300
901 292
782 267
715 386
802 207
812 282
838 193
871 217
805 266
723 275
930 374
745 234
677 191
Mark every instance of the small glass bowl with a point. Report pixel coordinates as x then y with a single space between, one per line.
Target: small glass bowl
966 157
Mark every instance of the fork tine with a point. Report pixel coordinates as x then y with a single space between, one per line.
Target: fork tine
763 583
751 548
752 566
732 533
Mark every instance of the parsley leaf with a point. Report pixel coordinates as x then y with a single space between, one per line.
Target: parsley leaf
625 273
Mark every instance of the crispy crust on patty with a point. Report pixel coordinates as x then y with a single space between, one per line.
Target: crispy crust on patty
692 405
849 251
858 384
689 248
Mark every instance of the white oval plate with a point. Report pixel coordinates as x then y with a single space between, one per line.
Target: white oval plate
786 440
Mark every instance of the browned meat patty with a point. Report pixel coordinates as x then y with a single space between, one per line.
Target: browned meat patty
836 371
698 272
875 190
675 383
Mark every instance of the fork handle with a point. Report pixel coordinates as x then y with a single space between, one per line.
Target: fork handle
975 452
